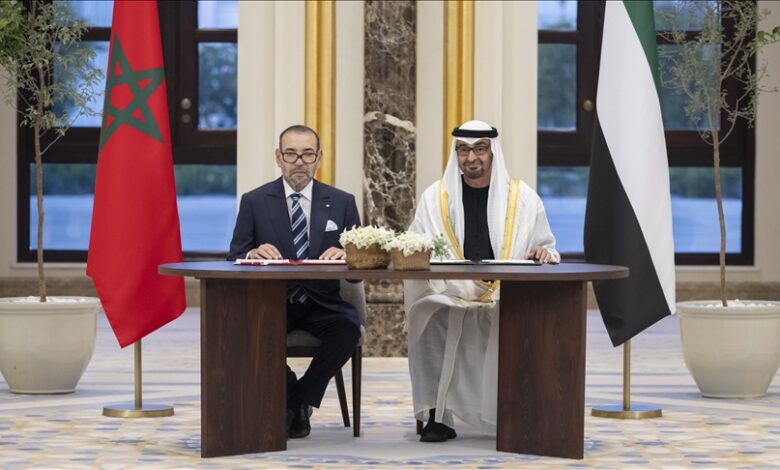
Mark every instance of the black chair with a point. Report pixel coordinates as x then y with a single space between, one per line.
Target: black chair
302 344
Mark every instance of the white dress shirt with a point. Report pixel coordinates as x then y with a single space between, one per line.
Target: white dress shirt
304 201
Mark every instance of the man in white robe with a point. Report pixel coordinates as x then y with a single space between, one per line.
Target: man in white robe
452 326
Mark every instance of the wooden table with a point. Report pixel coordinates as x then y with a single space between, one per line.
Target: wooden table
541 379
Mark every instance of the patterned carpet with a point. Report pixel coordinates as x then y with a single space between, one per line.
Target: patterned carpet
68 431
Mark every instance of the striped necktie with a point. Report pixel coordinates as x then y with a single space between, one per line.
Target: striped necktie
300 241
300 237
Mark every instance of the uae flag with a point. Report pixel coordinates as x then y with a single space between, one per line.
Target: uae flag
628 219
135 222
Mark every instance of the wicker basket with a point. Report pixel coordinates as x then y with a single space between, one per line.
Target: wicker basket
372 257
417 261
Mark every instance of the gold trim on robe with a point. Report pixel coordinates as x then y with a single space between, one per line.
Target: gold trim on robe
510 221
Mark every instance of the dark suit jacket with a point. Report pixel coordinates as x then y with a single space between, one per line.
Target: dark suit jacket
263 218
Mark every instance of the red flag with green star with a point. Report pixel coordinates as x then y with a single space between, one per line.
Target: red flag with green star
135 222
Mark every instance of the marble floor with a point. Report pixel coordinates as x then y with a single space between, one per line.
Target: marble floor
68 431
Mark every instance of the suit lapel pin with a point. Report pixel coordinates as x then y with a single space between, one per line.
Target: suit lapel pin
327 204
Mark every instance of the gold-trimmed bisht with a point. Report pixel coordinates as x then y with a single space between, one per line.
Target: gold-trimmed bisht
510 221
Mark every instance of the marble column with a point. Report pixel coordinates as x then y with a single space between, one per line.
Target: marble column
389 119
389 153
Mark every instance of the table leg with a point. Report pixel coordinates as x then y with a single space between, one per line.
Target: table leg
541 368
243 349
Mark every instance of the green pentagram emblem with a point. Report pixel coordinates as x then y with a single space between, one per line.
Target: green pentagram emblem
142 84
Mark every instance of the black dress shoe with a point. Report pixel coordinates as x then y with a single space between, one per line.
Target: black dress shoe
291 416
300 426
437 432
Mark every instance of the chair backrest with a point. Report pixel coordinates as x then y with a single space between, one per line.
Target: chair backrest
355 293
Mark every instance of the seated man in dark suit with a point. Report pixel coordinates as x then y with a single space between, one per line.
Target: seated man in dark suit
297 217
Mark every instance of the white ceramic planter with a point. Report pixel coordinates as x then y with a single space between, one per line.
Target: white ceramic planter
732 352
45 347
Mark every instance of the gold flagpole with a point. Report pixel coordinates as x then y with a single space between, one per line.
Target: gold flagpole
137 410
627 411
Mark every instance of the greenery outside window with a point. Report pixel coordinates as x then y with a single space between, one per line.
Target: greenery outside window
199 47
569 49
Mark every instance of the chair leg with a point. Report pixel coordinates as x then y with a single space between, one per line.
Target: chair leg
342 397
357 374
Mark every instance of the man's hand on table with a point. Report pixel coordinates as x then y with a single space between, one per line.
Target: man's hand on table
333 253
541 254
264 251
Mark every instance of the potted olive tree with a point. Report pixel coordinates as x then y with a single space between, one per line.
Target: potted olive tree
732 348
45 342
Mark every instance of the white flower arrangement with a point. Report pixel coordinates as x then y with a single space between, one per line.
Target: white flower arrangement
410 242
363 237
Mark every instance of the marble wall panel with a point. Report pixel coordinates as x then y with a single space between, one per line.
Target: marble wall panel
389 119
384 291
385 335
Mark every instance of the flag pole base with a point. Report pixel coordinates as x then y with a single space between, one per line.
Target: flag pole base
130 411
619 412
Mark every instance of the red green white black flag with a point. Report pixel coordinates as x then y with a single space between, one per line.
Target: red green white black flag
628 218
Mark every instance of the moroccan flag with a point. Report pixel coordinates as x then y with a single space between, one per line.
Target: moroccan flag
135 222
628 218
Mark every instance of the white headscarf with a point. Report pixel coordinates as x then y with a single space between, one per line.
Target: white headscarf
497 194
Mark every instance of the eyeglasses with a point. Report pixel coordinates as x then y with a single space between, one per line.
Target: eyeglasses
291 157
465 150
